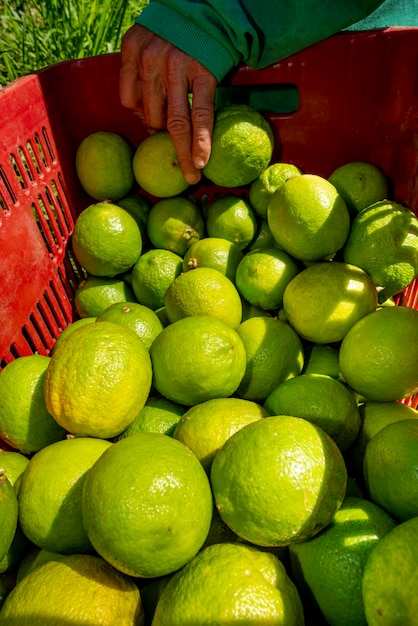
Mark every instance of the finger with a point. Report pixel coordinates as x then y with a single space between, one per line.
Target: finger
130 93
179 125
203 111
153 86
129 75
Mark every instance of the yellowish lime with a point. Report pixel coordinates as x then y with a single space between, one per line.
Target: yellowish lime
25 423
389 581
242 146
231 217
104 166
106 239
325 300
98 379
138 317
308 218
329 567
152 274
379 354
263 275
383 241
216 253
77 588
156 166
50 494
278 481
175 224
94 294
360 183
206 426
147 505
390 468
230 583
196 359
269 181
204 291
321 400
274 353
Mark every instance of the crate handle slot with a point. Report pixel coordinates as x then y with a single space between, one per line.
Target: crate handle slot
272 98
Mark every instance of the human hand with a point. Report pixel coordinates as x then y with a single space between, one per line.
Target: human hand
155 80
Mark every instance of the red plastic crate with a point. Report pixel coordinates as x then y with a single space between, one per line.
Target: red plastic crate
357 100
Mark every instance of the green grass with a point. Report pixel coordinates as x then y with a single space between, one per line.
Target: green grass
43 32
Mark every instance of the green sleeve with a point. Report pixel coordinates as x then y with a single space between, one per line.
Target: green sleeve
222 33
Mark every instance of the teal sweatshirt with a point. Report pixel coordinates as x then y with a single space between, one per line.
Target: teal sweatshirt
223 33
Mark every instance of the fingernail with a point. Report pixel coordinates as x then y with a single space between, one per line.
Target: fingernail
192 179
199 163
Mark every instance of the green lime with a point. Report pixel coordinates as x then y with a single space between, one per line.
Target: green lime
325 300
263 237
50 494
278 480
374 416
71 328
308 218
249 310
152 274
269 181
329 567
196 359
14 463
25 422
390 577
262 276
18 548
390 468
216 253
360 184
138 206
242 146
322 359
147 505
232 217
321 400
8 513
94 294
159 415
274 353
138 317
175 224
204 291
106 240
379 354
383 241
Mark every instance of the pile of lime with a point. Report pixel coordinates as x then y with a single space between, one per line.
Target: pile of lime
226 432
